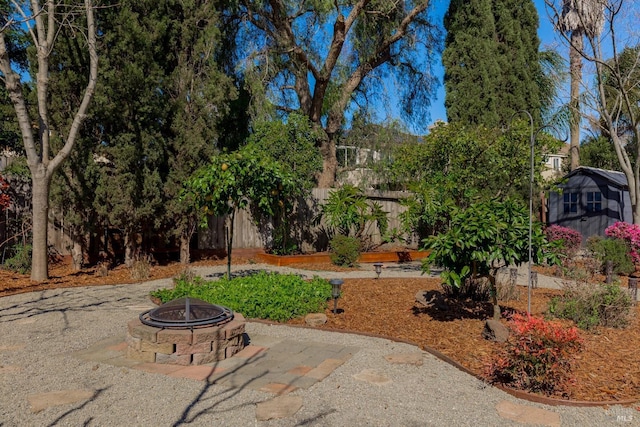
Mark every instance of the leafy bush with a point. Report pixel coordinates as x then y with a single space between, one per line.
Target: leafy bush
344 250
590 305
537 357
571 239
630 233
20 262
349 213
614 250
272 296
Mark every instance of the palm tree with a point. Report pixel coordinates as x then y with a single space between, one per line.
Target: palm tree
579 18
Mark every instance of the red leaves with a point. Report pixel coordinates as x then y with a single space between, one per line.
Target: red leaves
537 357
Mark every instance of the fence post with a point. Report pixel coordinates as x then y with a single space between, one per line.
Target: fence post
609 271
633 288
534 279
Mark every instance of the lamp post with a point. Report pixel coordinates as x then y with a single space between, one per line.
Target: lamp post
378 267
335 292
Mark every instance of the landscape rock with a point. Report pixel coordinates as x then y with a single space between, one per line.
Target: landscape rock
279 407
42 401
527 414
494 330
315 319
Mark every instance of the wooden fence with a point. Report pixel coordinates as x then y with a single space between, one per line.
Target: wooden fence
248 234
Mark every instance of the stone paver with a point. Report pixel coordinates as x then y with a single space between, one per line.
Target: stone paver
372 376
43 401
527 414
279 407
276 366
405 358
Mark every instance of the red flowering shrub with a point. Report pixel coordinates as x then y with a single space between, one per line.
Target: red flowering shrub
537 356
630 233
571 239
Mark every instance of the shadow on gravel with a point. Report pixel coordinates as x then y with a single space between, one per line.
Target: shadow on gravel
191 414
62 302
70 411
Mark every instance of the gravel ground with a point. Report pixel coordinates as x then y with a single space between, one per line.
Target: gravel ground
40 332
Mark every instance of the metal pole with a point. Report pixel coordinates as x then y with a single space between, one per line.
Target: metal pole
532 143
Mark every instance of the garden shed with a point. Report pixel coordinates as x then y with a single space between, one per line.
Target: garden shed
589 200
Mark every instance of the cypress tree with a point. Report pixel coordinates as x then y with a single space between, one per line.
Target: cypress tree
491 60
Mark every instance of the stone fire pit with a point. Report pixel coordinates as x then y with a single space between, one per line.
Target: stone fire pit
185 346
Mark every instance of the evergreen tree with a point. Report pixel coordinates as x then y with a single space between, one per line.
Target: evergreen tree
200 93
491 59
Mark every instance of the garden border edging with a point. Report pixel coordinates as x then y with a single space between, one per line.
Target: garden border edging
321 257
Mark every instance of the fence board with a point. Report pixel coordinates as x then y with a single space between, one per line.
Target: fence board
313 237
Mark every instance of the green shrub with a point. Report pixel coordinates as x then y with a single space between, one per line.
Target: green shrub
614 250
344 250
20 262
272 296
537 357
590 305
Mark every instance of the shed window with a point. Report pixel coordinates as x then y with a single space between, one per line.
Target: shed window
570 202
594 201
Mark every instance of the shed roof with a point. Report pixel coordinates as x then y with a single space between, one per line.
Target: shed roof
615 177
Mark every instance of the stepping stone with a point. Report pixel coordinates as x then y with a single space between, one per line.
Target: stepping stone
7 369
42 401
12 347
405 358
372 376
279 407
527 414
315 319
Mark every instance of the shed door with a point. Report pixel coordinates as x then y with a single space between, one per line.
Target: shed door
584 210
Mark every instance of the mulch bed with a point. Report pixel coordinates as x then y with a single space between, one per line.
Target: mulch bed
607 370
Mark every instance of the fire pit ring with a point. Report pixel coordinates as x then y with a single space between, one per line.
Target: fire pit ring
186 313
186 331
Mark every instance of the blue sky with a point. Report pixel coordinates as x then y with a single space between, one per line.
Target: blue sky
548 39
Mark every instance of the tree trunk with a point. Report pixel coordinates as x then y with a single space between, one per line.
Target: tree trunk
77 254
494 297
575 67
230 220
40 206
185 254
129 248
327 177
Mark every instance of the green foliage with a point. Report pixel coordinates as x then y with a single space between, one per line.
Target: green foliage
538 356
590 305
456 165
483 238
614 250
272 296
348 212
233 181
292 142
599 152
20 261
491 60
344 250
